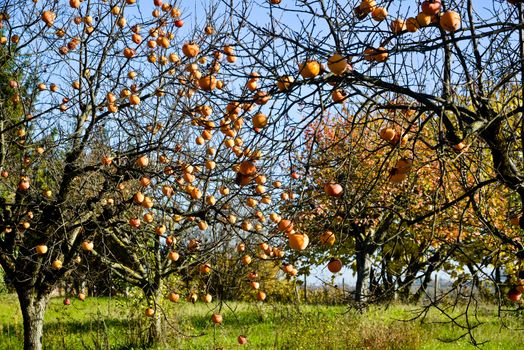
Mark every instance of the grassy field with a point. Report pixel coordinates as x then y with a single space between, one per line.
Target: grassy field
103 323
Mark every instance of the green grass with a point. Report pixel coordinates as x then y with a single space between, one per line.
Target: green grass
103 323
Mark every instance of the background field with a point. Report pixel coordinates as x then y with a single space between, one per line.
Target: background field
103 323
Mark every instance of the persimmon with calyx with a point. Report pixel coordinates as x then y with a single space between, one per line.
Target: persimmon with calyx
334 265
56 264
142 161
170 240
285 225
23 185
367 6
259 120
134 222
261 296
379 14
148 217
423 19
287 268
247 168
129 53
309 69
450 21
87 246
398 26
338 95
259 189
207 298
387 134
242 338
284 82
134 100
160 229
205 268
246 260
41 249
229 50
376 55
149 312
190 49
460 147
412 25
145 181
48 17
327 238
298 241
147 202
173 256
138 198
107 160
173 297
207 83
338 64
209 30
241 247
333 189
431 7
216 318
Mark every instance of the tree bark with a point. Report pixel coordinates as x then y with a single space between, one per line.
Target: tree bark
497 275
363 260
152 294
406 284
33 306
424 285
155 329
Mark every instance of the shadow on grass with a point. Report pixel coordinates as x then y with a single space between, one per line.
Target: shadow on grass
82 334
83 326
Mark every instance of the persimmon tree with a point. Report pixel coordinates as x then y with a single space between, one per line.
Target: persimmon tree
394 207
123 136
456 65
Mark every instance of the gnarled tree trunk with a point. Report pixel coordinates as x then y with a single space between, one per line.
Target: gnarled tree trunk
33 306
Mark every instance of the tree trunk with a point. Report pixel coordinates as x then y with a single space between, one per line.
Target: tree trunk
152 294
404 287
424 285
363 274
155 329
498 280
33 308
433 263
406 284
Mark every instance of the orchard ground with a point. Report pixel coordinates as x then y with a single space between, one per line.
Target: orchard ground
118 323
